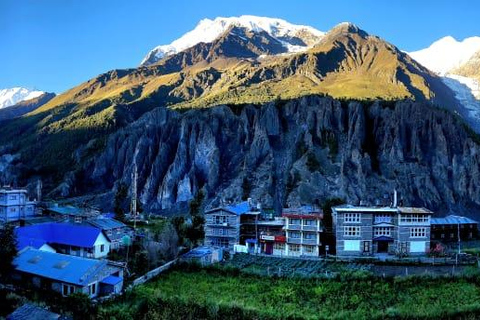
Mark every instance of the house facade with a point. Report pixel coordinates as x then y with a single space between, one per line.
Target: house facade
303 227
361 230
71 239
15 205
230 225
453 228
67 274
118 233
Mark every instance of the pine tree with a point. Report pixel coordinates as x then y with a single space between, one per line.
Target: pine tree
8 250
120 197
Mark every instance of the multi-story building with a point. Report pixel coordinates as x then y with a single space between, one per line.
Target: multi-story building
15 205
302 231
453 228
361 230
227 226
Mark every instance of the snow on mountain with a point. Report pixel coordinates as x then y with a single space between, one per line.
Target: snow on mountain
208 30
447 53
11 96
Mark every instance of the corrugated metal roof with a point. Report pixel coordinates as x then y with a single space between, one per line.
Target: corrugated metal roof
26 242
60 267
29 311
239 208
60 233
67 210
106 223
452 219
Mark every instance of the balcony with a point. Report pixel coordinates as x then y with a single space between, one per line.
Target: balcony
310 228
310 241
378 220
212 234
293 227
294 240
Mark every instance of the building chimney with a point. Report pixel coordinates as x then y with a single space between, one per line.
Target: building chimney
394 198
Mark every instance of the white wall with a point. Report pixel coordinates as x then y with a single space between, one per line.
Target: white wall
101 240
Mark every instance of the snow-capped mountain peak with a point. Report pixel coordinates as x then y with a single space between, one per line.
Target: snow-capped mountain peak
293 37
11 96
447 53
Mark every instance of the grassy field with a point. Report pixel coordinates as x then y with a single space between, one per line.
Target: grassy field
226 294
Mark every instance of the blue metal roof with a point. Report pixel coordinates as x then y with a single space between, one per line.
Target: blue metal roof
239 208
67 210
112 280
23 242
59 267
452 219
60 233
106 223
198 252
30 311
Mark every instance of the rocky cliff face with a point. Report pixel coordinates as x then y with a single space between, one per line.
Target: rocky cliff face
288 153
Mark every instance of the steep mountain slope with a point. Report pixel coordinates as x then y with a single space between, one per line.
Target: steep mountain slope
291 37
25 106
457 63
240 67
447 53
470 69
11 96
290 153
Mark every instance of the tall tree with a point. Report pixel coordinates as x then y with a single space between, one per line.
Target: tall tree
8 250
120 197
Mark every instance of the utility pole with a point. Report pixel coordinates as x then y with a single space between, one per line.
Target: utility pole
39 190
134 196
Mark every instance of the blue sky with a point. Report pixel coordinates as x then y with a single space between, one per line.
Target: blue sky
53 45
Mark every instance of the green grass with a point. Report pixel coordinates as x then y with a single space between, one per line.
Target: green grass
219 294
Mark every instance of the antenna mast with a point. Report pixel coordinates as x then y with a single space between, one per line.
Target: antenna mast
134 195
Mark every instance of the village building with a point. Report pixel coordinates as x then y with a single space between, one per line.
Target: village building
231 225
362 230
271 235
303 227
30 311
15 205
117 232
453 228
77 240
71 213
67 274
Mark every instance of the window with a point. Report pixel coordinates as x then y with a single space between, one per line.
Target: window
294 235
294 221
221 242
382 231
294 247
379 218
352 217
310 222
279 246
310 236
221 219
418 232
413 218
220 232
102 248
13 197
93 289
366 246
351 231
452 235
309 249
68 289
